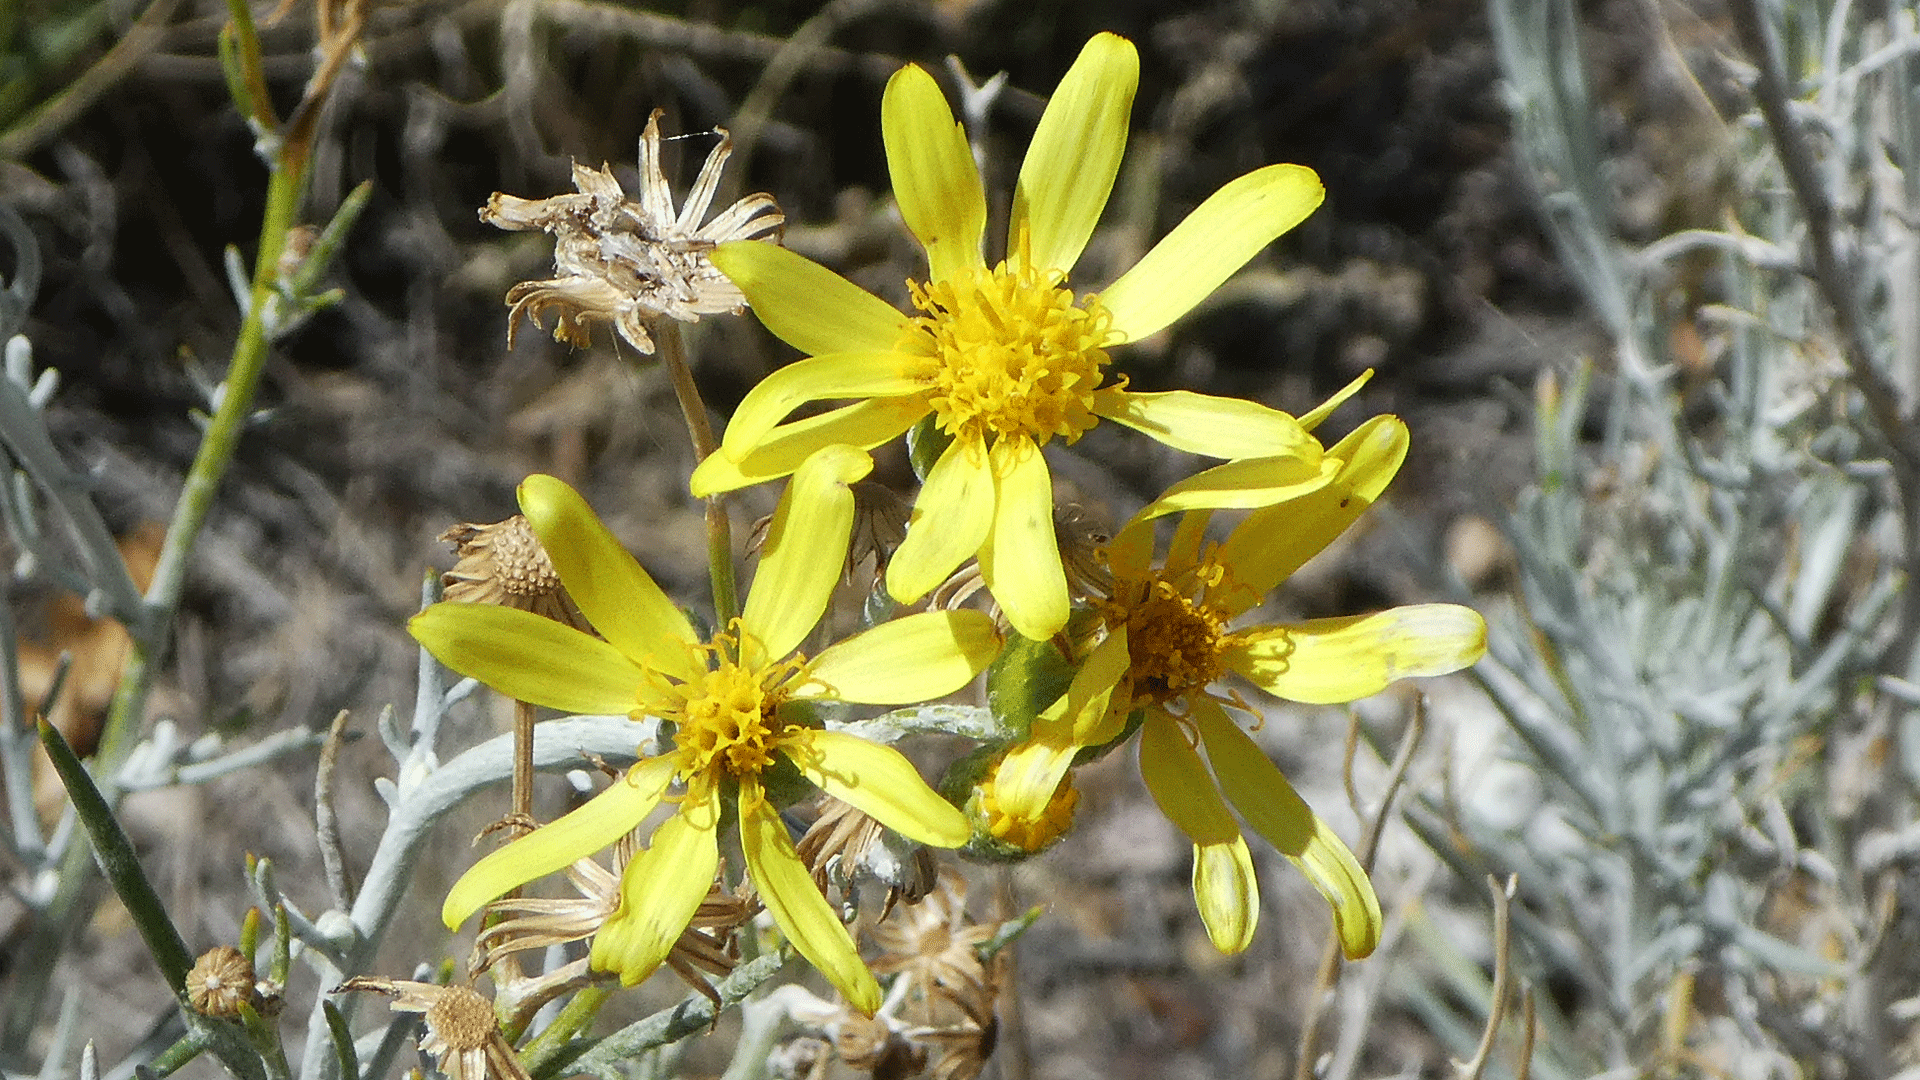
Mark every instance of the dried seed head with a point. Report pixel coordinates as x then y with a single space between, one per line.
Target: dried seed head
462 1036
459 1020
628 262
221 980
503 563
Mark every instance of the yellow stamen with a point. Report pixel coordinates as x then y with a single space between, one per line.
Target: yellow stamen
1010 354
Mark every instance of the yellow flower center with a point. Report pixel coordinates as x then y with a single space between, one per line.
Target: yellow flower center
1010 354
1173 641
728 723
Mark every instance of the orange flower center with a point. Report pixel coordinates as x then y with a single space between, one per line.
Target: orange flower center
1173 641
1009 354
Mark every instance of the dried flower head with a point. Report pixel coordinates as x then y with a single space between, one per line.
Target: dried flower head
462 1036
953 991
628 262
844 844
220 982
706 948
939 1016
503 563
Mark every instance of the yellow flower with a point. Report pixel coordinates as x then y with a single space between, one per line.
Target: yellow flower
725 698
1002 357
1167 641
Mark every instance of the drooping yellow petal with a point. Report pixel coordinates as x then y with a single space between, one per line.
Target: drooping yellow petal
1021 560
1332 661
1270 805
659 893
902 661
605 818
1224 888
1227 893
879 782
531 658
795 902
805 551
1075 154
1244 485
817 378
864 425
1213 426
1180 783
1311 420
616 595
952 517
1271 544
807 305
1214 241
935 182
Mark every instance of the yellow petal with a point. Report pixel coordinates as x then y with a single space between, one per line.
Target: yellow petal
1089 713
796 905
935 182
1021 560
531 658
604 819
879 782
1025 779
1227 893
807 305
1213 426
916 658
1332 661
615 594
1075 154
863 425
659 893
1204 250
1270 805
805 550
1311 420
1130 553
1271 544
1180 783
1189 537
817 378
1248 484
951 518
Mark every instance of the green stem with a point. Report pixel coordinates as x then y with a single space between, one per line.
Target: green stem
74 900
673 353
575 1018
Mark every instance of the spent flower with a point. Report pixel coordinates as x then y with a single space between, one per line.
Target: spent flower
630 261
728 699
1002 358
1166 637
462 1036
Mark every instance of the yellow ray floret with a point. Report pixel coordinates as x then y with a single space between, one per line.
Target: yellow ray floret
1003 358
725 698
1167 638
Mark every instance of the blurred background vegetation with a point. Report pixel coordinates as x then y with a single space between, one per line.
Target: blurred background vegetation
1688 743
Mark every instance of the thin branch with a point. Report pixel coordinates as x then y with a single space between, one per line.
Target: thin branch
326 825
1502 975
1328 974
